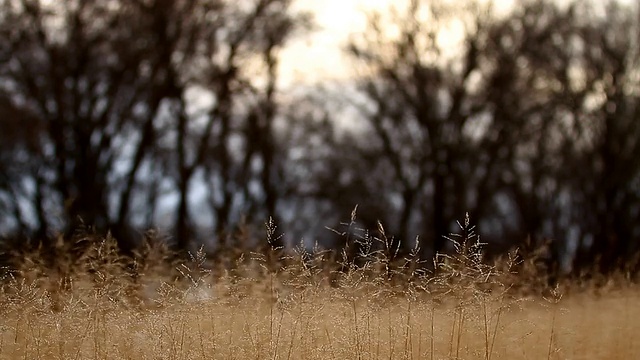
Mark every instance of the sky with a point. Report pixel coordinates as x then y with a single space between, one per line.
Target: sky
319 55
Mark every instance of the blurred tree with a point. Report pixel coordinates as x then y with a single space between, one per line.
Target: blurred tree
572 85
112 112
329 174
108 87
74 67
425 110
234 60
606 138
525 120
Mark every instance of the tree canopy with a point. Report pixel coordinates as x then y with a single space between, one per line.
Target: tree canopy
131 115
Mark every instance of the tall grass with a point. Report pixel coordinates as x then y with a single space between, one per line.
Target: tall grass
85 300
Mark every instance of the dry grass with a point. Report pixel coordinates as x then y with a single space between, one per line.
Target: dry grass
326 325
102 306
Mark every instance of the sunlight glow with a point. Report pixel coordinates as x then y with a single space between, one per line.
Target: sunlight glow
320 56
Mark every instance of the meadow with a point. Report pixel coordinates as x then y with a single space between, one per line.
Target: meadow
91 302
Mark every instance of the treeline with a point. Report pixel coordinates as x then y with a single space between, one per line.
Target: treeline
138 114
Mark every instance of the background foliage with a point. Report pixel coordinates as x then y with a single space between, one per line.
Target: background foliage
140 114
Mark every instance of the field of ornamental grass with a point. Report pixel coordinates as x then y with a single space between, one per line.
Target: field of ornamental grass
84 300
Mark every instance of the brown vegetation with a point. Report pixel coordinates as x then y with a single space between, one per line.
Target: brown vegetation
100 305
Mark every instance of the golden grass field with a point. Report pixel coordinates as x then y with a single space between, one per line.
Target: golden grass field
94 308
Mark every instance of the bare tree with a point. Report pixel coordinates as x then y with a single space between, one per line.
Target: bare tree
74 67
529 119
111 85
422 110
606 138
232 141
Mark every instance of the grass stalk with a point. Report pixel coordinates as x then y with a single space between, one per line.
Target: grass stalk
551 348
